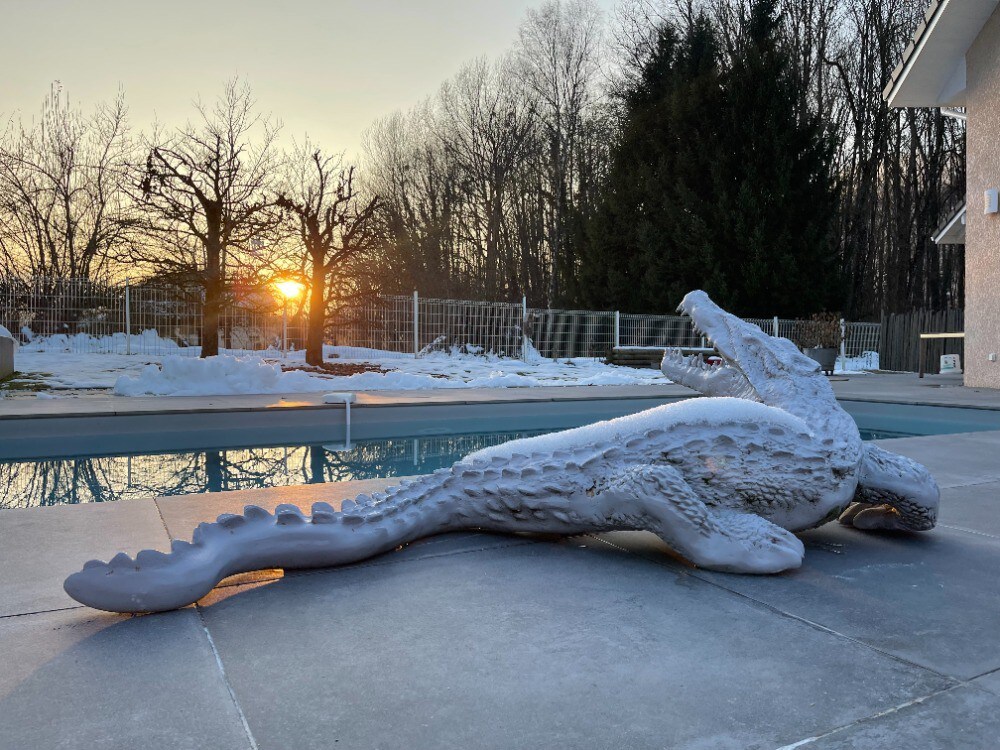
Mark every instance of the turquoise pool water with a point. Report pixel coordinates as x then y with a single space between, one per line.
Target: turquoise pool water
168 464
54 481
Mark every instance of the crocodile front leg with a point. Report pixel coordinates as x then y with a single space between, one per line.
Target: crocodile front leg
724 540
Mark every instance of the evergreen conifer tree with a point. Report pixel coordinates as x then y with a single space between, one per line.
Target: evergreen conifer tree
720 180
773 182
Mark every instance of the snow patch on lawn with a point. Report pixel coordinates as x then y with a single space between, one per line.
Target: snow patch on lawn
116 343
867 361
216 376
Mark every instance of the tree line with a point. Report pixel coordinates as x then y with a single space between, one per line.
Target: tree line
616 162
737 145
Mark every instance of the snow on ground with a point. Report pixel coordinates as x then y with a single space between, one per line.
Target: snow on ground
181 376
52 363
55 365
857 365
65 370
216 376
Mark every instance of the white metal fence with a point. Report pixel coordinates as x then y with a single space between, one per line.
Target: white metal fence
85 316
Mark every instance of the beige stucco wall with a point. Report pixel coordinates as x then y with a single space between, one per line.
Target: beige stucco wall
982 231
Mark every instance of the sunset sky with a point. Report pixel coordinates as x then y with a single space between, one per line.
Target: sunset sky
326 67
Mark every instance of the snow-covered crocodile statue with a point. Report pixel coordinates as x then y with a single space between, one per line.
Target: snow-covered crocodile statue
724 481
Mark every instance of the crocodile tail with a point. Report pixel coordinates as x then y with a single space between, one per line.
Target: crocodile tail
365 526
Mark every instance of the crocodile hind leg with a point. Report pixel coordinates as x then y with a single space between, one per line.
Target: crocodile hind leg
894 492
711 538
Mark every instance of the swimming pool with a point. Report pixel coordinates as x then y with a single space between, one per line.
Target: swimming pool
242 462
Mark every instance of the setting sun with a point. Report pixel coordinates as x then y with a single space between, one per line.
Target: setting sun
289 289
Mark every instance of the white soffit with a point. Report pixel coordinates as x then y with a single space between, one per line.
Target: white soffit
932 73
953 230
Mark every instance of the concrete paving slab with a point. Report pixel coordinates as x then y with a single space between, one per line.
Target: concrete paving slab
963 717
989 682
39 547
943 390
954 460
88 680
107 403
544 645
974 508
929 598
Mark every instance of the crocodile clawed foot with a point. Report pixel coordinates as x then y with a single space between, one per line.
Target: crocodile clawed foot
873 517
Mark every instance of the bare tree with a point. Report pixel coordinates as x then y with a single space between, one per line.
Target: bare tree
63 207
484 125
204 189
334 226
559 51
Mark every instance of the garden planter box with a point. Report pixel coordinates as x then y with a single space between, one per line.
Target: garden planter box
827 358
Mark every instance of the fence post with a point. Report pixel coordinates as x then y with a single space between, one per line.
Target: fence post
416 324
618 338
524 326
128 317
775 326
843 344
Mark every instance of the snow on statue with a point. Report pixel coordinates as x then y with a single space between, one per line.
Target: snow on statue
723 480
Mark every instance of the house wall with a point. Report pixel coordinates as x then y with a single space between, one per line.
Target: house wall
982 231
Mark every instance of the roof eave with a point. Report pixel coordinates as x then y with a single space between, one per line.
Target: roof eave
933 69
953 231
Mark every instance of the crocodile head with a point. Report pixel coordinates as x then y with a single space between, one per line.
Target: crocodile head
755 366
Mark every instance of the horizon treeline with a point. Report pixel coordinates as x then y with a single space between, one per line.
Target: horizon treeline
741 146
541 174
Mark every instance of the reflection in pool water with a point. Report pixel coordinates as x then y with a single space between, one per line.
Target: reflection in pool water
55 481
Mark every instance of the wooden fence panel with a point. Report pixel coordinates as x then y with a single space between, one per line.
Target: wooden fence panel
899 348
